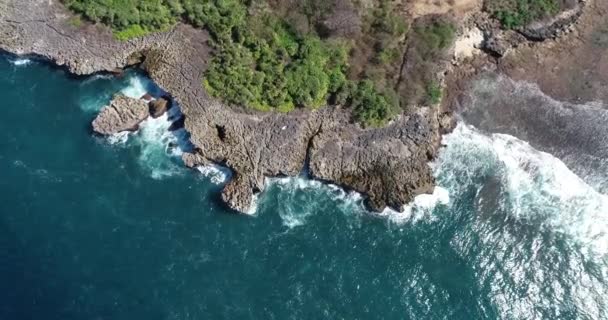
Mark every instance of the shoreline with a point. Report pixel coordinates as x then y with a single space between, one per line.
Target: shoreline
388 165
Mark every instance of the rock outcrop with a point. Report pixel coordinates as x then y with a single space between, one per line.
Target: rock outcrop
158 107
123 114
388 164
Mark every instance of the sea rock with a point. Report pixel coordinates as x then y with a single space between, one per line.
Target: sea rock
158 107
123 114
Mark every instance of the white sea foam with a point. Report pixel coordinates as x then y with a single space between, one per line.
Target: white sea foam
253 208
20 61
536 186
159 147
138 86
119 138
158 144
217 174
420 209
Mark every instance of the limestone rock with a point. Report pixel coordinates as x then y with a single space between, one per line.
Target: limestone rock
123 114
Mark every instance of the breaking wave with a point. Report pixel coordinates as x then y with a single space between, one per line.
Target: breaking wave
104 86
217 174
534 187
420 209
139 85
160 150
299 198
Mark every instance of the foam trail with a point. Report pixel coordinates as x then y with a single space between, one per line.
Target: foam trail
534 187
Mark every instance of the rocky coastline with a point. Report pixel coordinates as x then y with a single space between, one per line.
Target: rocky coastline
389 165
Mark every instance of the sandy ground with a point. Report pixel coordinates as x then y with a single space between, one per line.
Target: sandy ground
467 45
458 8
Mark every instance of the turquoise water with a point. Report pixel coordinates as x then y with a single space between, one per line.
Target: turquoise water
94 228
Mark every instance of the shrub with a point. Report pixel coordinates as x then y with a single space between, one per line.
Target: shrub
263 63
517 13
434 93
130 32
371 107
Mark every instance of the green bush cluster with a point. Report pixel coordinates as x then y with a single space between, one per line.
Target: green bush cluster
433 38
128 18
260 61
517 13
434 93
372 107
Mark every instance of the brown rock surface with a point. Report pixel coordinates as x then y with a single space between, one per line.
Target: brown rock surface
123 114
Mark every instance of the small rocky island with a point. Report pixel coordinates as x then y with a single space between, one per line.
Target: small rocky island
368 116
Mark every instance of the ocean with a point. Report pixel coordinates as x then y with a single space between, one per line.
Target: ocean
117 228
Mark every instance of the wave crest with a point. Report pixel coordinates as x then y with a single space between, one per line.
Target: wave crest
532 186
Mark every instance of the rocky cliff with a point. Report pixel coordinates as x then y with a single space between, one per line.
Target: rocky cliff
389 164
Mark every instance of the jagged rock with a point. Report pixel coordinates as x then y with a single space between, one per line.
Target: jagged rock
158 107
390 165
123 114
192 160
238 195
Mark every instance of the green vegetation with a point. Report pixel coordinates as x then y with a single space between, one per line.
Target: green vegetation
517 13
282 54
75 21
130 32
428 44
371 107
434 93
129 18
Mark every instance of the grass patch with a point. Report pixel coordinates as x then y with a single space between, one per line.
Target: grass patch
75 21
434 93
134 31
517 13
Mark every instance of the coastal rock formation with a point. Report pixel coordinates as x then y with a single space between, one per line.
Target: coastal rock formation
390 165
387 164
158 107
123 114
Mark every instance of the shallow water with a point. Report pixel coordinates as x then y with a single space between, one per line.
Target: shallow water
94 228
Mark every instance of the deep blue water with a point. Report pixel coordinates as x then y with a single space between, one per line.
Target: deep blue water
94 228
